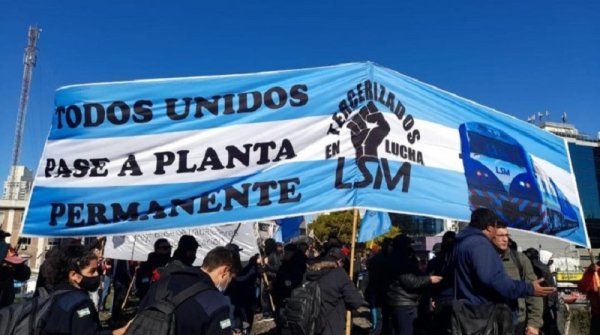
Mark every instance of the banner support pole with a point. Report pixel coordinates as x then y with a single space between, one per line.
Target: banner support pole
235 232
352 252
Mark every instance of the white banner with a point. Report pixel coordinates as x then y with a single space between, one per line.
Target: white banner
137 246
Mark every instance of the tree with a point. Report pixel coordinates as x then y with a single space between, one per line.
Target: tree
340 224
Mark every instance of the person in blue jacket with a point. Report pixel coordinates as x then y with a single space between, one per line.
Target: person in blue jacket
480 275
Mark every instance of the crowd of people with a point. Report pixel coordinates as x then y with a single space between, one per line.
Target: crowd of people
476 279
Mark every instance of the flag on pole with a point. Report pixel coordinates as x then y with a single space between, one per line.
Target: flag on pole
289 228
374 224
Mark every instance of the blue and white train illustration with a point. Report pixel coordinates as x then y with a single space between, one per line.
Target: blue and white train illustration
502 176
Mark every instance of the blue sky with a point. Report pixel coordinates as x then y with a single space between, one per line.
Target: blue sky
519 57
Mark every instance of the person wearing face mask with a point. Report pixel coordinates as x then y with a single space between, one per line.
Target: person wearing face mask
156 259
206 312
73 273
183 257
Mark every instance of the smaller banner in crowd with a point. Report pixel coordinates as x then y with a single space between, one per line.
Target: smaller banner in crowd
374 224
137 247
288 228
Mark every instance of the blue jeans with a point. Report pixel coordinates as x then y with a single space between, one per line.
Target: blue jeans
104 293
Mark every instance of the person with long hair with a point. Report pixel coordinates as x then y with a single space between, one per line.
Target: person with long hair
72 271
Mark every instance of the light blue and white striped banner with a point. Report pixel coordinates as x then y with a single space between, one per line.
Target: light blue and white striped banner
152 155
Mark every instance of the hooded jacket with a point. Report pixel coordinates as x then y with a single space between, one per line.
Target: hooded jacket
338 293
480 275
407 284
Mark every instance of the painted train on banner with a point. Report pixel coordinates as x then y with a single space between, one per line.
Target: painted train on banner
502 176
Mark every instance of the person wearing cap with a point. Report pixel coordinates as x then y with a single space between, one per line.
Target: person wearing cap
406 285
338 293
156 259
12 268
183 257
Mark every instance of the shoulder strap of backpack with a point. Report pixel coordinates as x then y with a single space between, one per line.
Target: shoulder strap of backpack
190 292
515 257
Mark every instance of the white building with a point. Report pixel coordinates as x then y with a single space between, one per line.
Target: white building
18 184
12 209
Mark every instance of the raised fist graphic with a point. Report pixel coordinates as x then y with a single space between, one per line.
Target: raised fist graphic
368 129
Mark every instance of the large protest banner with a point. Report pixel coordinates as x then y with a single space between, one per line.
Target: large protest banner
137 246
172 153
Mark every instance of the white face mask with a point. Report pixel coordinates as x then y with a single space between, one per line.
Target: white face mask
221 287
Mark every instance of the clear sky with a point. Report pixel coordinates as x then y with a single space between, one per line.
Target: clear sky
519 57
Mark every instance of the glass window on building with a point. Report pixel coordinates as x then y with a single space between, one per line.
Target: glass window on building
586 165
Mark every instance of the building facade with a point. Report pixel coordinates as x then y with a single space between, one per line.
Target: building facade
584 151
17 188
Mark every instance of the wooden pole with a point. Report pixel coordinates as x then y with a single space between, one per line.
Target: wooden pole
129 290
265 278
235 232
354 225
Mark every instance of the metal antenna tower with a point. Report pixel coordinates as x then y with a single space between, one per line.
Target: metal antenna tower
29 60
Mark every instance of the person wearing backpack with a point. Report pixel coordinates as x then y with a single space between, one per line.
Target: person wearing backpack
73 273
337 292
190 301
517 266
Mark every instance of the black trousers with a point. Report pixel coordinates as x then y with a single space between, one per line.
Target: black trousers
399 320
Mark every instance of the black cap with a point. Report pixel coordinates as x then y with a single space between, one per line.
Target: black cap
234 247
187 242
4 234
335 254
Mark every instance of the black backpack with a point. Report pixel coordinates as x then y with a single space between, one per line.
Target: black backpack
29 318
158 318
301 311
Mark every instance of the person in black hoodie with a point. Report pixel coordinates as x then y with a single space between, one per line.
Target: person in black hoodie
338 293
73 273
156 259
290 274
406 287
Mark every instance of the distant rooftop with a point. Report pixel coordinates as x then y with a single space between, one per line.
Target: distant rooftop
569 131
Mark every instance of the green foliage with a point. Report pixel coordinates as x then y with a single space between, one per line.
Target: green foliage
391 234
340 223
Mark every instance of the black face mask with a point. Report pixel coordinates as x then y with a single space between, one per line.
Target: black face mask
162 259
89 284
188 260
